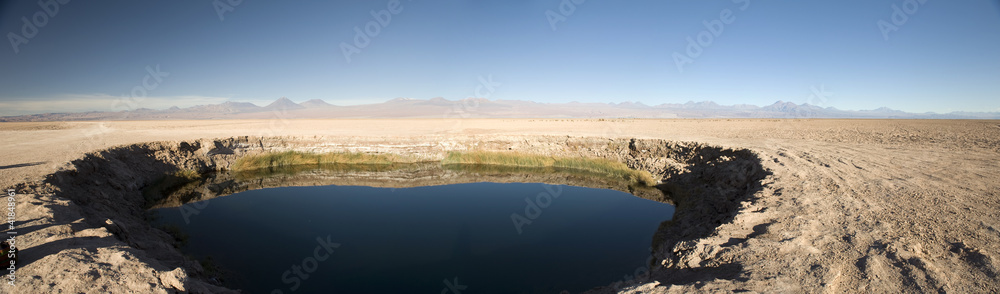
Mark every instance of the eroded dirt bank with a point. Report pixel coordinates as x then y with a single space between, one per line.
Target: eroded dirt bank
405 175
100 199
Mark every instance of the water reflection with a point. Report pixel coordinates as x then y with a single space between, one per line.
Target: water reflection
386 175
414 228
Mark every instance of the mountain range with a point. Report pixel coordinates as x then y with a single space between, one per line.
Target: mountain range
284 108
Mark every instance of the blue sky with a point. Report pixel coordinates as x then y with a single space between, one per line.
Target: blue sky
90 54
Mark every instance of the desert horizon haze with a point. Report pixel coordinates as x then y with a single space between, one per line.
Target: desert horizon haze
520 146
908 55
284 108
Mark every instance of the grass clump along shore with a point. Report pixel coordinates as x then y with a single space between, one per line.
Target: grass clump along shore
292 158
595 165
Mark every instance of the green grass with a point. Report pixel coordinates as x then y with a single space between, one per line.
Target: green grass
186 175
292 158
281 160
292 170
596 165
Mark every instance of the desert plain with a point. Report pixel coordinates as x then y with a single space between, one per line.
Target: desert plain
862 206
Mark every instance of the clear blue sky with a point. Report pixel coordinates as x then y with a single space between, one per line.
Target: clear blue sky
945 57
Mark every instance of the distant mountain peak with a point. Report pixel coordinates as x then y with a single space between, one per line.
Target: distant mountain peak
630 104
224 107
474 99
885 109
781 106
283 103
315 103
700 105
282 100
235 103
400 99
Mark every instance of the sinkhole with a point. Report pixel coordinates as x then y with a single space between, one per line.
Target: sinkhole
412 228
160 199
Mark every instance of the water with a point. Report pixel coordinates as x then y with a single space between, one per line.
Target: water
431 239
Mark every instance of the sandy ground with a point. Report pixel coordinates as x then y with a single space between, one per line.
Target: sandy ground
850 205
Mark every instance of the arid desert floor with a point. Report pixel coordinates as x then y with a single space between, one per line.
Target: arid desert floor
870 206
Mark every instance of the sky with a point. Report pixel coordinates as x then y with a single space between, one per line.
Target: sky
915 56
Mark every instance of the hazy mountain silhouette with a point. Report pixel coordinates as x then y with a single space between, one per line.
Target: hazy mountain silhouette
316 103
283 104
484 108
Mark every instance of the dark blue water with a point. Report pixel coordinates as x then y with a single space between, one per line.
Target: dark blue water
463 238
